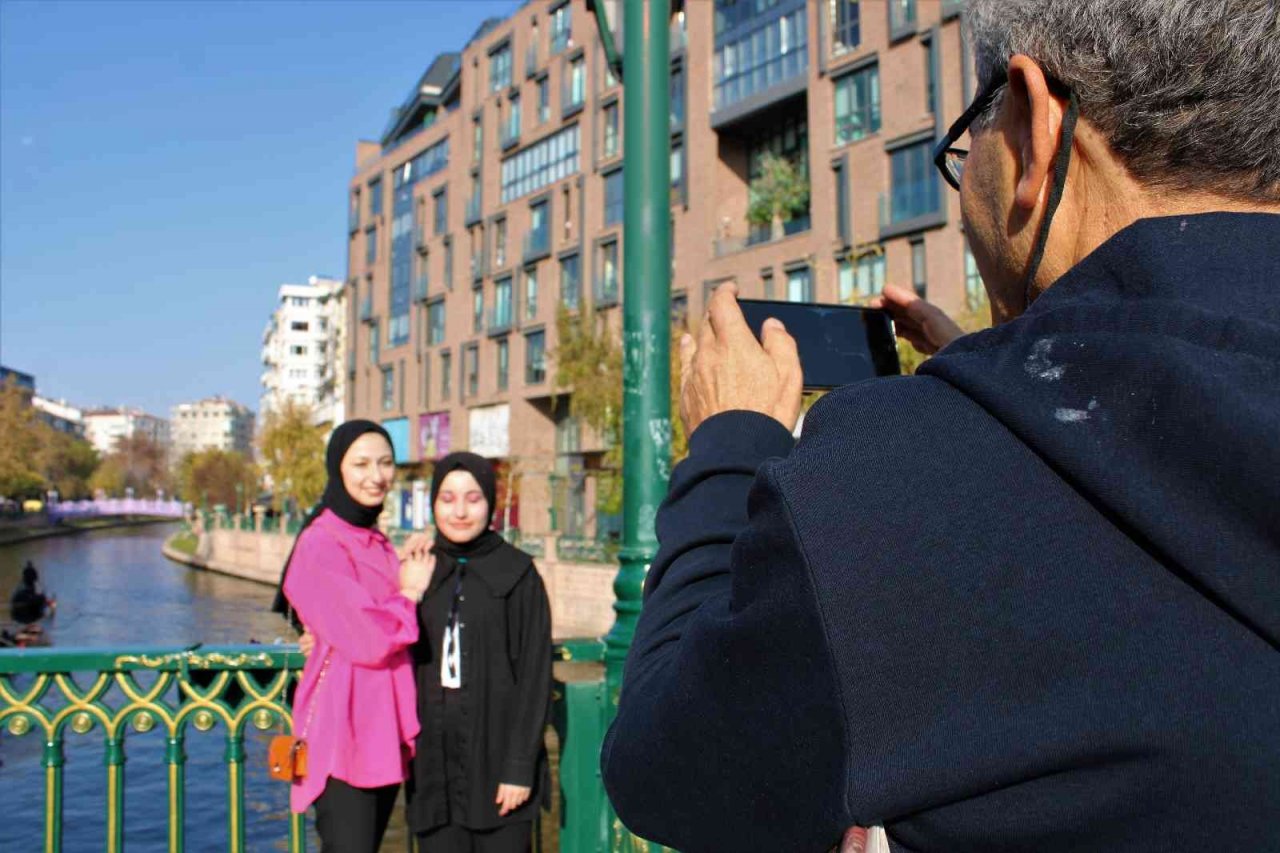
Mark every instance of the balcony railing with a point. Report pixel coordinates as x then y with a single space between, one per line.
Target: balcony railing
366 309
537 244
473 210
760 236
606 292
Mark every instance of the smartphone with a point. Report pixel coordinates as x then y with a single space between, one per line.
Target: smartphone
838 344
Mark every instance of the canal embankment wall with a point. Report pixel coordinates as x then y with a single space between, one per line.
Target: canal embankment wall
580 591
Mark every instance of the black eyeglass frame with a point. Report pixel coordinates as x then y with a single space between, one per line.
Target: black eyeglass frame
979 106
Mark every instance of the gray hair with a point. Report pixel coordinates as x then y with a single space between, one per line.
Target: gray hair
1187 92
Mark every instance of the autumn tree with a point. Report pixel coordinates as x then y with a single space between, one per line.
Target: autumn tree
137 462
19 444
66 462
209 477
293 455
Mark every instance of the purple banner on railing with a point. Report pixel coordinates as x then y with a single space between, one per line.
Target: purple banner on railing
118 506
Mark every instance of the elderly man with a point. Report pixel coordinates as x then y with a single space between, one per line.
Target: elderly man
1028 599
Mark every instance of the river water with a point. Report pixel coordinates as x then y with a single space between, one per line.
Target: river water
115 588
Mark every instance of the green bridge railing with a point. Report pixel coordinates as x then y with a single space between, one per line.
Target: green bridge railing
128 692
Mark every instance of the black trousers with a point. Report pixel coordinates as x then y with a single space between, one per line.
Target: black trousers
512 838
353 820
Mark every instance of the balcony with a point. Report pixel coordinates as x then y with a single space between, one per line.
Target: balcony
499 319
420 288
761 236
896 221
605 291
537 244
474 214
366 309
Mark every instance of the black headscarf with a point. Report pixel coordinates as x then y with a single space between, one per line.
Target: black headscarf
335 498
477 466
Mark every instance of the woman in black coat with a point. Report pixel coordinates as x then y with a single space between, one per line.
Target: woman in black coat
483 666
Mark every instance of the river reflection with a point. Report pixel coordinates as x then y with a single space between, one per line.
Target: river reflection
115 588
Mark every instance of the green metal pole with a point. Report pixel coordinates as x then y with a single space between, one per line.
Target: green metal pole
54 759
646 324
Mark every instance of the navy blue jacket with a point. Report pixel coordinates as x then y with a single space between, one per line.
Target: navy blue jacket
1027 600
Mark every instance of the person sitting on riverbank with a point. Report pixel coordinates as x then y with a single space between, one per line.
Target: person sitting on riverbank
29 602
356 704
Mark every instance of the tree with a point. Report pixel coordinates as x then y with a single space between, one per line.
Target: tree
209 477
293 455
67 463
137 462
109 477
781 192
19 472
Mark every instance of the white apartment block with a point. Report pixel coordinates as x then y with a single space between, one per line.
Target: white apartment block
105 427
303 350
60 415
216 423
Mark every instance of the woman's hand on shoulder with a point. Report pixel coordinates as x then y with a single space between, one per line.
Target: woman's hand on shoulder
415 575
416 547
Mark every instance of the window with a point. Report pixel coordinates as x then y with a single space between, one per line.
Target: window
446 375
799 285
375 197
531 292
753 61
858 104
902 17
570 291
607 286
371 245
448 264
471 370
788 138
677 172
766 284
613 200
567 208
680 310
502 314
611 140
610 80
297 350
424 390
677 98
560 28
535 358
539 165
388 389
300 326
861 279
375 343
915 183
544 100
930 76
441 209
500 243
477 309
974 292
511 134
477 138
846 25
919 278
500 68
435 323
353 213
504 363
841 183
575 89
538 240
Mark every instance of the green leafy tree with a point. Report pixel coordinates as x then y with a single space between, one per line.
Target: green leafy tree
293 456
67 463
212 475
143 464
779 193
19 444
108 478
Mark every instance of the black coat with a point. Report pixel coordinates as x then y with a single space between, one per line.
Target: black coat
490 731
1026 600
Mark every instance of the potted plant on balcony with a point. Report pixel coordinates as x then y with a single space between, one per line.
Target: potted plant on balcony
779 193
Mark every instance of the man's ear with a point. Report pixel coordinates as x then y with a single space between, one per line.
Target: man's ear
1036 115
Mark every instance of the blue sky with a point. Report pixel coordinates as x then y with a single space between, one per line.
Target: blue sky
165 166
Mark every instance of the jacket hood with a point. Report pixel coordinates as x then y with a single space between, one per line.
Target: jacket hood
1148 377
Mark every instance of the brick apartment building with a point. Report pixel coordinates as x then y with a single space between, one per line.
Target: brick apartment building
495 196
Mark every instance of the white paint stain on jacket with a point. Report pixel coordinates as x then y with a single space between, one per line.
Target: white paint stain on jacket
1038 365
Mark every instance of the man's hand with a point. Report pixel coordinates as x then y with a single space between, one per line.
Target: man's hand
511 797
728 369
920 323
416 547
307 643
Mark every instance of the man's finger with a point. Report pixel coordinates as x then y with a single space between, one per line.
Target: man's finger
780 346
687 349
726 316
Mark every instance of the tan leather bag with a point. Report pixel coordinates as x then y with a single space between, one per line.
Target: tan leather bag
287 754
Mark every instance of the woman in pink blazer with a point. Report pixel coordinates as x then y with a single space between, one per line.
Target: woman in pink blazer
356 706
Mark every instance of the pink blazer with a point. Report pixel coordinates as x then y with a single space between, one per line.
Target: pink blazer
344 585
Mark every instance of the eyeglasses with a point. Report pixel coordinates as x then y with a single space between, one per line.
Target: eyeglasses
949 159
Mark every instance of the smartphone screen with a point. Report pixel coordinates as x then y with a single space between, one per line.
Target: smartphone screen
838 344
